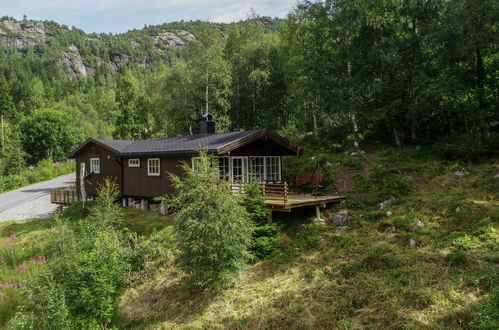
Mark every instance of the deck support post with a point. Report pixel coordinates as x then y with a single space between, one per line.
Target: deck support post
269 217
317 213
163 209
130 202
143 204
124 202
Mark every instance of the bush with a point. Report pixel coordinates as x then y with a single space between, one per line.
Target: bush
253 201
43 305
45 170
384 183
214 232
467 147
92 261
457 258
266 241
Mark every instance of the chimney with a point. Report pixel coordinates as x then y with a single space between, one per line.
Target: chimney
206 125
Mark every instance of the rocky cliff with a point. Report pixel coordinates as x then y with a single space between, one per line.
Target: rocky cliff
68 44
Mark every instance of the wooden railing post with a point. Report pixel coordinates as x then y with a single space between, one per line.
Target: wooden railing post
285 195
263 187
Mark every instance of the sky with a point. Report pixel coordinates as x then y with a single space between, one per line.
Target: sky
117 16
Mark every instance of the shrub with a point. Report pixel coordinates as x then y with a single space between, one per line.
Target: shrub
214 232
457 258
43 305
253 201
384 183
266 241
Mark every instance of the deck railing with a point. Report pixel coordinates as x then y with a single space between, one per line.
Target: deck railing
63 196
271 191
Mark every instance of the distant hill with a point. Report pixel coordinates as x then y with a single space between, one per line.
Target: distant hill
82 54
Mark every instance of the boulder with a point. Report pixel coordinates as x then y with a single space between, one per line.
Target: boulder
461 172
389 213
340 218
386 203
412 242
419 223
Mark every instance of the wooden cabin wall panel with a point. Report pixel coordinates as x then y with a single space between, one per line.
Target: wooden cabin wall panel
139 184
261 148
109 167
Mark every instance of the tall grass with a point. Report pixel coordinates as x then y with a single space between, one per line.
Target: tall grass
45 170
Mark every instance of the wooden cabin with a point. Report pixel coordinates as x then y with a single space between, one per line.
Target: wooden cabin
140 166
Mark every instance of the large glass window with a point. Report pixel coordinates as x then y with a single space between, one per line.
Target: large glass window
95 165
257 168
238 170
273 168
224 167
153 167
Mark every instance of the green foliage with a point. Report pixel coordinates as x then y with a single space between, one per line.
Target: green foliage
385 182
457 258
267 241
92 261
45 170
214 230
487 316
48 134
43 305
253 201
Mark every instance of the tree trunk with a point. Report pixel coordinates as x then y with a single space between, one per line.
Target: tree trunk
413 127
353 117
355 131
207 93
314 118
480 77
396 136
3 138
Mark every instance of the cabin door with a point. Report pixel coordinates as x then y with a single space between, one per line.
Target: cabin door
238 169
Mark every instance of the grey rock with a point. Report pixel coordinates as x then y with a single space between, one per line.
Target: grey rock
386 203
389 213
462 172
412 242
419 223
343 227
340 218
496 176
458 209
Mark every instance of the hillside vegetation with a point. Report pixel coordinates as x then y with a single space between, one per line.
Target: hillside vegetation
431 264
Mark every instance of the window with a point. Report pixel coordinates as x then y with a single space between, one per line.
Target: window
224 167
238 169
273 168
134 162
95 165
153 167
257 168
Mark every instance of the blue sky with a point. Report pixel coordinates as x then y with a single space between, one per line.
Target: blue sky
121 15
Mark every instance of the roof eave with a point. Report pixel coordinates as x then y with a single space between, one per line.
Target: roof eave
84 144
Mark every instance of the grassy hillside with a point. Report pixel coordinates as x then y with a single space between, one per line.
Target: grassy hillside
367 275
364 275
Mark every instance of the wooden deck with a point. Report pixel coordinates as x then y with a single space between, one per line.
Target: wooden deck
294 201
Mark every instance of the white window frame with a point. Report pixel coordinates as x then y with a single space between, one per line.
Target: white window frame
131 163
244 170
92 166
279 168
263 168
228 175
149 173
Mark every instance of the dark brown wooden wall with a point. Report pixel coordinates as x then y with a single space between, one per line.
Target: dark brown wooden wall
109 167
261 148
139 184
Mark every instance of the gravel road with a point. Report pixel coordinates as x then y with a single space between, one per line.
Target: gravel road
32 201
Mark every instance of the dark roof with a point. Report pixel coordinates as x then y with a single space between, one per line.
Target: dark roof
118 145
218 143
189 144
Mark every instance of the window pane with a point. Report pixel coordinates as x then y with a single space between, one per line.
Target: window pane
223 166
257 168
273 168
